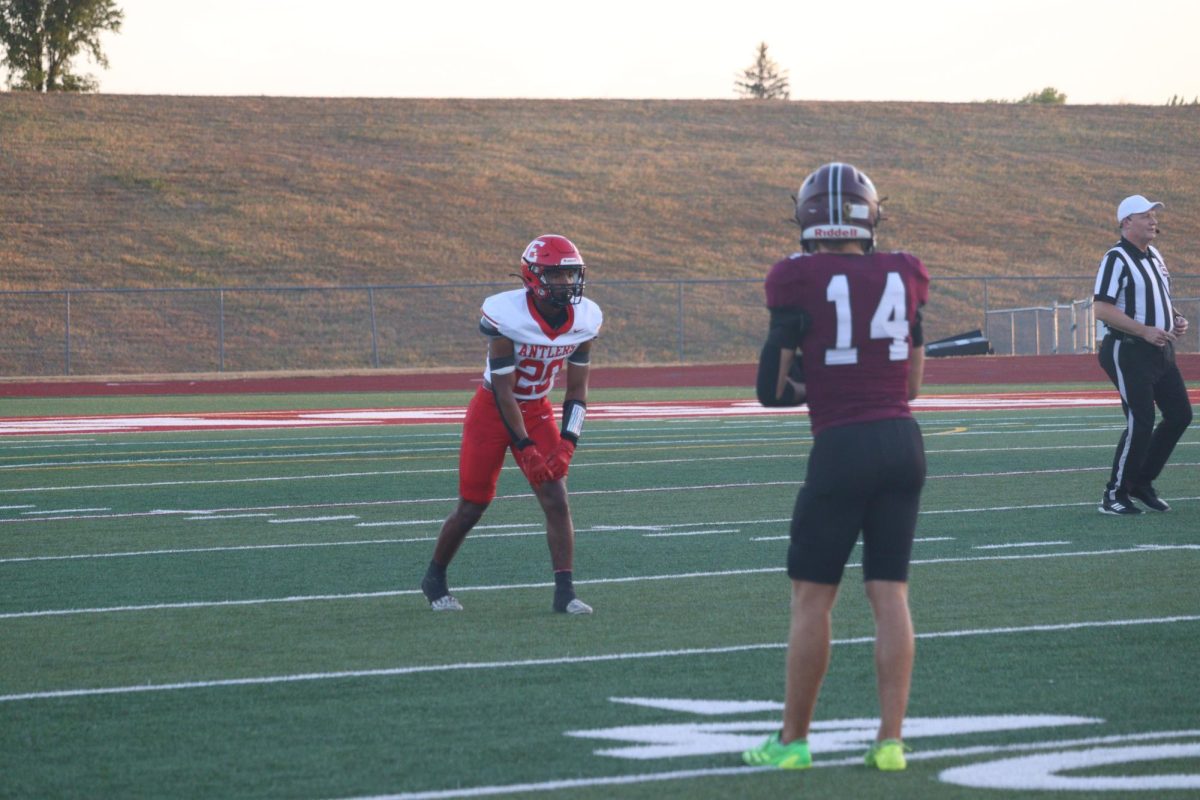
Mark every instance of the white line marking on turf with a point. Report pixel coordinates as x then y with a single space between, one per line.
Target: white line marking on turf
65 511
311 519
588 581
534 531
235 457
408 501
440 521
226 516
524 495
690 533
918 539
223 549
540 662
528 529
385 473
221 481
718 772
1017 544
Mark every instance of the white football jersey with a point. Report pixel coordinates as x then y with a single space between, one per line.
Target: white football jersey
540 350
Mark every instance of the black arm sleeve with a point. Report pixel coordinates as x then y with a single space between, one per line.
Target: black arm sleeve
918 333
768 379
788 326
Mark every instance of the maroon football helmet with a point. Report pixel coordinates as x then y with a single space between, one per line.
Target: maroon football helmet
836 203
548 254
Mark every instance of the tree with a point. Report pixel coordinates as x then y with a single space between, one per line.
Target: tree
41 37
1048 96
763 80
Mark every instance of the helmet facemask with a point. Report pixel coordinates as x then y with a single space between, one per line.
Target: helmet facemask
540 280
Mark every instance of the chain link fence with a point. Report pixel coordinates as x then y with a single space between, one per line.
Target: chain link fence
423 326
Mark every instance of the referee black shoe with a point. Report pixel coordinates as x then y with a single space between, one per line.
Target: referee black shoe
1149 498
1118 504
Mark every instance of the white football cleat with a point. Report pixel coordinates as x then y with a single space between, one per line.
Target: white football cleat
449 602
577 606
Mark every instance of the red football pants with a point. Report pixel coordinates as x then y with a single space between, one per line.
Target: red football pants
486 439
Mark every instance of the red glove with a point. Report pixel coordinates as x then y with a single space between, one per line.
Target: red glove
531 462
560 459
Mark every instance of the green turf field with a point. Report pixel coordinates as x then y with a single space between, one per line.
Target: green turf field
234 614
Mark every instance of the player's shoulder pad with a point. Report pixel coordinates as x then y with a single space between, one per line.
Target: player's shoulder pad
780 269
504 311
588 316
487 327
915 263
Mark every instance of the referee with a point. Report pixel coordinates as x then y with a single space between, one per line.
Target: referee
1133 300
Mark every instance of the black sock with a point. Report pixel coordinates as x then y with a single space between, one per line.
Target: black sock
564 589
434 583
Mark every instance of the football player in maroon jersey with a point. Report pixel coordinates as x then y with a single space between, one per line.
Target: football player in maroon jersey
532 333
854 314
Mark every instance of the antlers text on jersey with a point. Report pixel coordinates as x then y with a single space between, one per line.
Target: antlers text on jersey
544 351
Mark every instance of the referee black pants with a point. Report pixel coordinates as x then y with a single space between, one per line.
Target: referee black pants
1145 376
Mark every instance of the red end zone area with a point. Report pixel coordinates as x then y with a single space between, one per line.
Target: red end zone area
967 370
596 411
998 370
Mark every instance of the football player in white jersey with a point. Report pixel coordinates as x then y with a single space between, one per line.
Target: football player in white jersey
532 332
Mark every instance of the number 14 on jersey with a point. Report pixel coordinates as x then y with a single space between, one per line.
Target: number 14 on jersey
890 320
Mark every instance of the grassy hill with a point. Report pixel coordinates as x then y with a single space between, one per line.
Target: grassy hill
135 191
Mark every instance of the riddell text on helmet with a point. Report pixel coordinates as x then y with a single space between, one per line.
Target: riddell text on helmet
838 233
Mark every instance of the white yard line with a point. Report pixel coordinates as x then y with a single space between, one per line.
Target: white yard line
717 772
106 463
203 516
1017 544
522 664
60 612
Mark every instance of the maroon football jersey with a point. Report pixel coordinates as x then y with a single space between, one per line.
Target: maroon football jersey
856 349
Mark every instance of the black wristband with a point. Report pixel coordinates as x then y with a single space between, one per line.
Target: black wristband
573 414
521 444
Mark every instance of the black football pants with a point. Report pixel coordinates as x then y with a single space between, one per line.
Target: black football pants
1145 376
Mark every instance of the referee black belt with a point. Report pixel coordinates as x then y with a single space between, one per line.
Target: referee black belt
1131 339
1121 336
1125 337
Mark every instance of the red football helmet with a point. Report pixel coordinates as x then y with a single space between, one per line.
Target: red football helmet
553 254
836 203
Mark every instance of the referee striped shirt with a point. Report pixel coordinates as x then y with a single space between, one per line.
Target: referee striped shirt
1137 283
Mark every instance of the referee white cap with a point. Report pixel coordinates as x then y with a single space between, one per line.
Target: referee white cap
1135 204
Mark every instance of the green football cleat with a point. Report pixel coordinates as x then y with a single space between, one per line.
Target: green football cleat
887 756
772 753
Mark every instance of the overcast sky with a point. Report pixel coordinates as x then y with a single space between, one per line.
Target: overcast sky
1094 51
